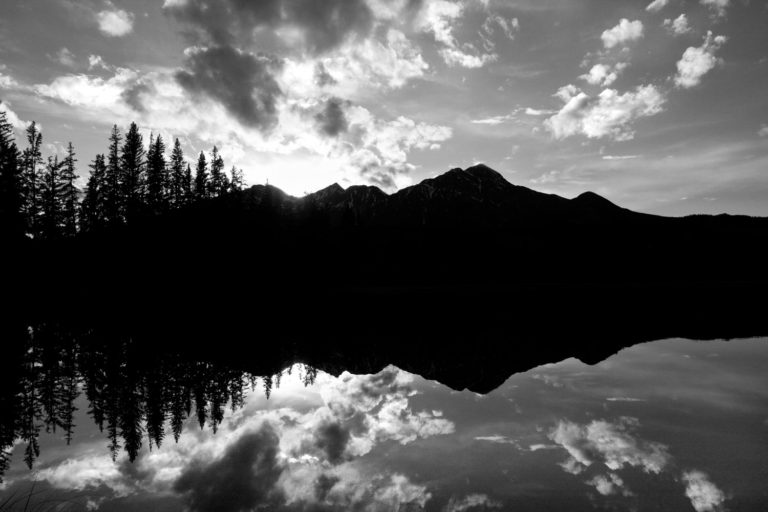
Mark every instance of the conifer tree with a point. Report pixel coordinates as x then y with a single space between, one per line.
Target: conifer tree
132 161
156 176
51 200
201 178
218 183
177 176
237 182
112 185
32 160
94 208
69 193
11 195
186 186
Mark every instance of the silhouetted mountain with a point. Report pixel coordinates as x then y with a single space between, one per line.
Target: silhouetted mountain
465 278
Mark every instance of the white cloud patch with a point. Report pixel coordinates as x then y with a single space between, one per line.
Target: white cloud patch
471 501
97 62
604 74
493 121
497 439
6 81
12 118
65 57
763 131
704 495
115 22
625 32
718 7
609 114
656 5
438 18
609 484
679 26
698 61
612 444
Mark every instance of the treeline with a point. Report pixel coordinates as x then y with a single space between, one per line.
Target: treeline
134 400
41 199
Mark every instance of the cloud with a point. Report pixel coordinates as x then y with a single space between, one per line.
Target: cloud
438 18
243 82
497 439
678 26
698 61
331 120
763 131
612 444
608 485
7 81
115 22
471 501
11 116
96 62
308 25
604 74
625 32
656 5
244 477
493 121
65 57
538 112
704 495
718 7
609 114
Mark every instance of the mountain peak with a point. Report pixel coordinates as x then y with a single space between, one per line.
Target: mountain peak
482 171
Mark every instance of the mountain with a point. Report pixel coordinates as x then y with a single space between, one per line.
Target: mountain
461 269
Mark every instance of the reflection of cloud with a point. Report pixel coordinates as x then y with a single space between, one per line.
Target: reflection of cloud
612 444
471 501
704 495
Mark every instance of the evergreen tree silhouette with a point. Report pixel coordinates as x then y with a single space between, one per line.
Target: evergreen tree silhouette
51 200
11 192
133 172
32 160
201 178
236 182
177 177
157 180
93 212
113 184
218 183
69 193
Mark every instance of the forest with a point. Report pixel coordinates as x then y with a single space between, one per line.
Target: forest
41 198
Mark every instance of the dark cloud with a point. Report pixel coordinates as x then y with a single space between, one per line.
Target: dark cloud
242 479
323 77
323 25
323 485
132 95
331 120
244 83
332 439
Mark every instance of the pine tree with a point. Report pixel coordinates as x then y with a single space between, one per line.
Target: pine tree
177 176
69 193
218 182
51 200
186 186
11 194
237 182
156 176
112 185
94 208
132 161
32 159
201 178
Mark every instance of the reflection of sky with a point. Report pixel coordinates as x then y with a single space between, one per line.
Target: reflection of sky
669 425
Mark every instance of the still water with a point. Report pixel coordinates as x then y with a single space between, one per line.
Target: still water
668 425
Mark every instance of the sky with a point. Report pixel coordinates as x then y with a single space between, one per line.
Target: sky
668 425
660 106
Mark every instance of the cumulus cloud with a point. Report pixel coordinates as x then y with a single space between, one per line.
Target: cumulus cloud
626 31
471 501
678 26
65 57
243 82
718 7
698 61
704 495
12 117
609 484
115 22
763 131
612 444
604 74
609 114
6 81
656 5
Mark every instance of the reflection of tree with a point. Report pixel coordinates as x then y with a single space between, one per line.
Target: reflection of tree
128 394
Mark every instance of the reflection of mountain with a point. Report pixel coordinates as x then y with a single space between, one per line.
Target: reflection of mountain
464 278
